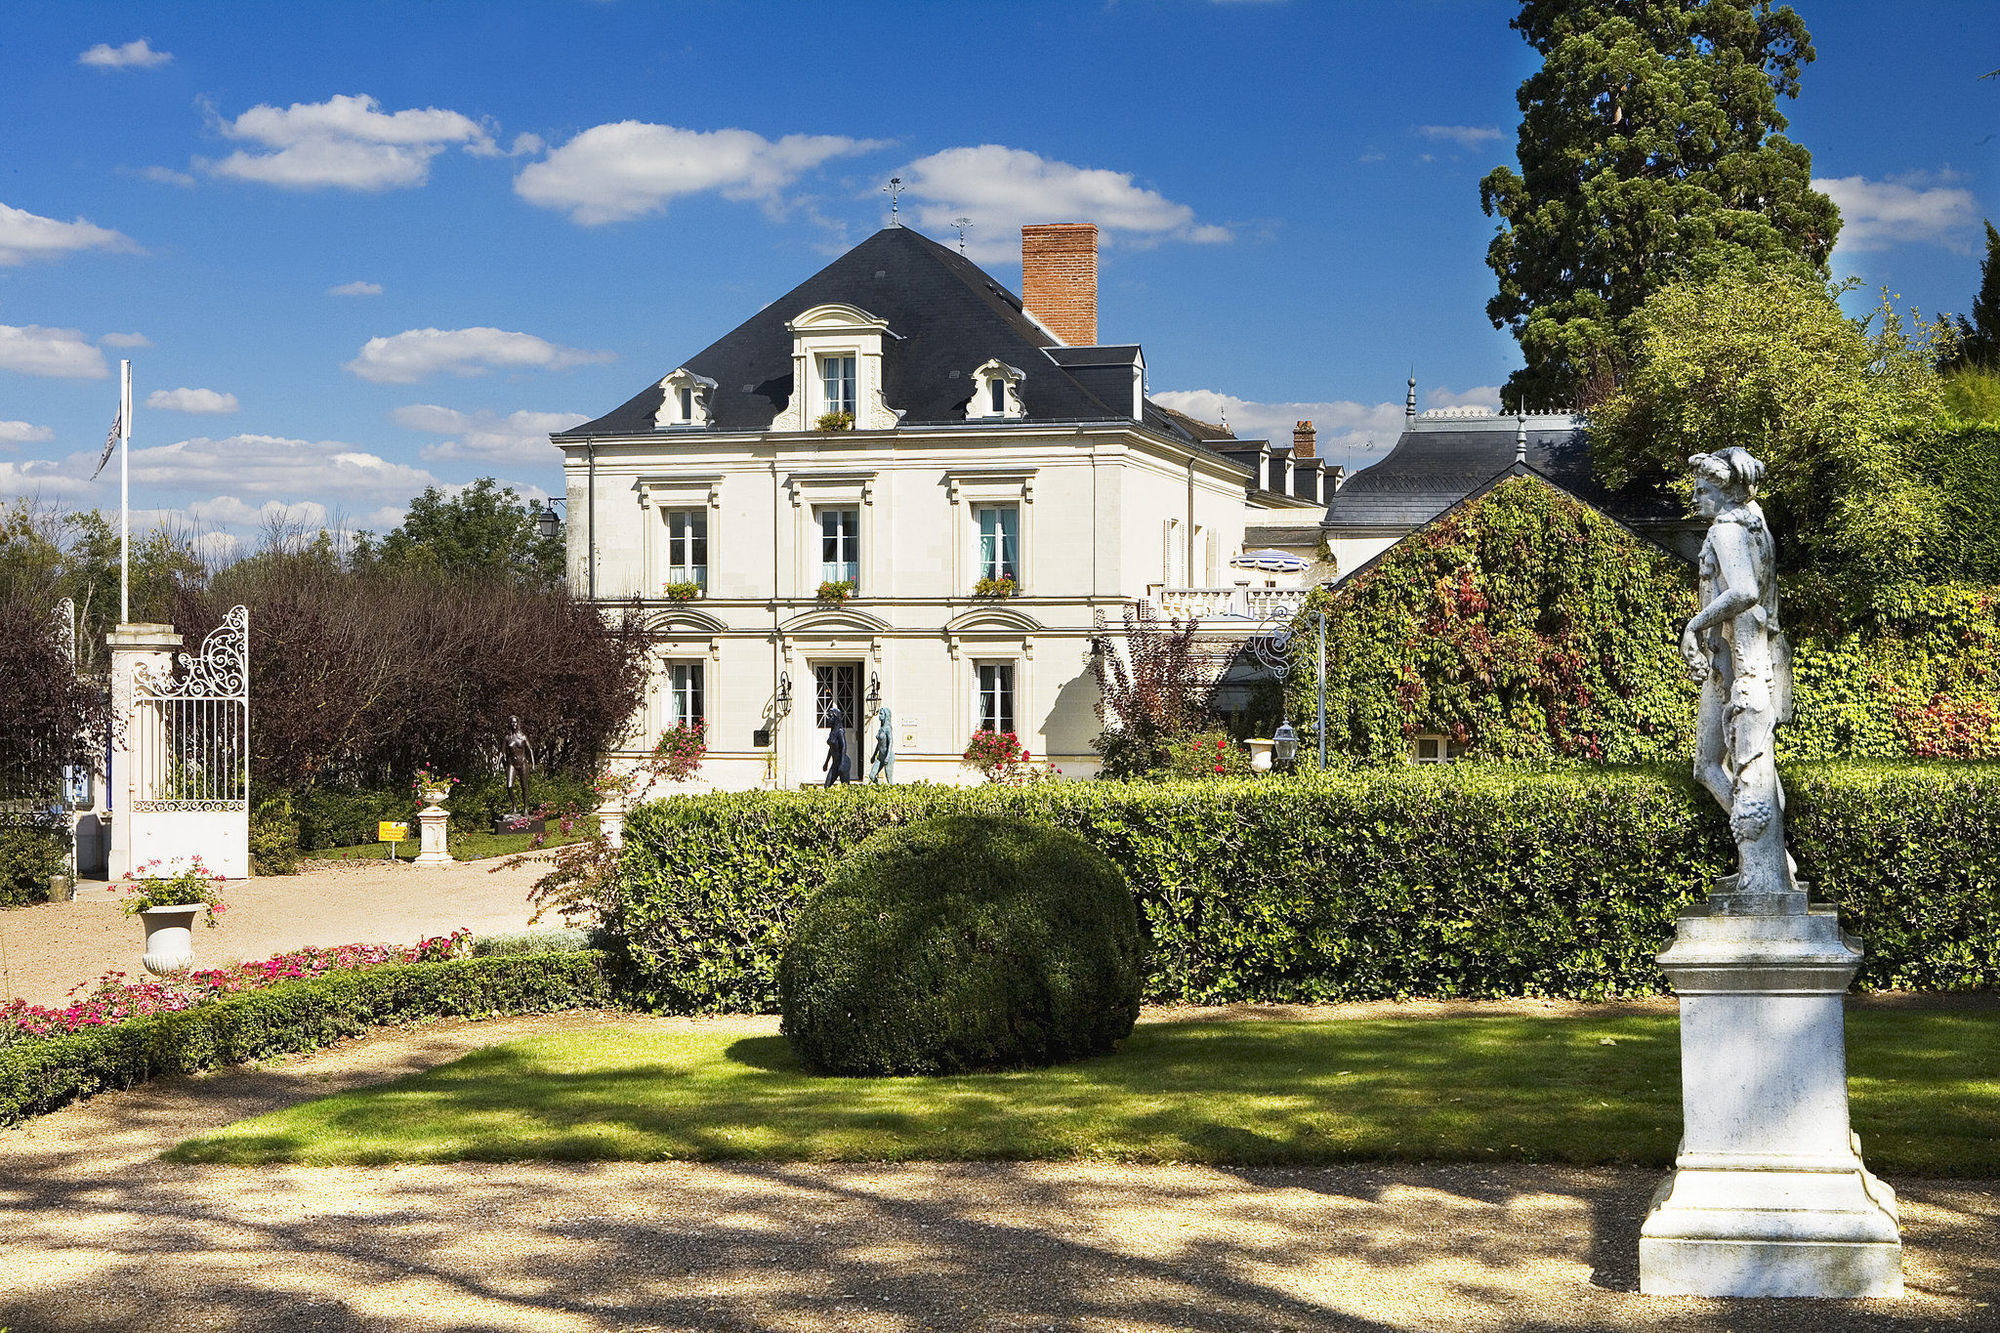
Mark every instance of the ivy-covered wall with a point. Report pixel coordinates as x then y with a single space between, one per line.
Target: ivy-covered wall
1523 625
1528 625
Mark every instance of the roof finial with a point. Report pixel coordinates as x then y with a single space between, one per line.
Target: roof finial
893 189
961 224
1410 399
1520 437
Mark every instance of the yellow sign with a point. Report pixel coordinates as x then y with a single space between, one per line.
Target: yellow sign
387 832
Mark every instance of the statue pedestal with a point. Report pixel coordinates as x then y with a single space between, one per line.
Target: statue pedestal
432 821
1768 1196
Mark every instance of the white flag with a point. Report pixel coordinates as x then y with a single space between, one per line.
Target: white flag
111 440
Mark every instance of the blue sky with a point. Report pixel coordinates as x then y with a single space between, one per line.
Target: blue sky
354 249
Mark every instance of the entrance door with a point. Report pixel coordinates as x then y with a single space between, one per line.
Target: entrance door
835 685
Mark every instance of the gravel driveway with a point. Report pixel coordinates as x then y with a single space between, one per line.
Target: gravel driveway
50 947
95 1234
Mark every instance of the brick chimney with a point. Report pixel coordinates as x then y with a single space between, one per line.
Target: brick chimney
1305 443
1059 279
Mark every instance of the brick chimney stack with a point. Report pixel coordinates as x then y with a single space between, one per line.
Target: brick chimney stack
1059 279
1305 443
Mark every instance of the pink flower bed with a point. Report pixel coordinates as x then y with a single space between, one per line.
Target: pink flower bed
112 999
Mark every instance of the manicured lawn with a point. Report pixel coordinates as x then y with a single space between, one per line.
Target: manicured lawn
1925 1088
466 845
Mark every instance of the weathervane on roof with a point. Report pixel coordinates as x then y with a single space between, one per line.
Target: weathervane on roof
961 224
893 189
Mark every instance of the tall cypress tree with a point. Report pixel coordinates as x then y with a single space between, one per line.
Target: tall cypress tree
1979 337
1650 148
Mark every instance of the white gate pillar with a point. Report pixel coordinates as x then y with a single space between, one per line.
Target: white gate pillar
132 646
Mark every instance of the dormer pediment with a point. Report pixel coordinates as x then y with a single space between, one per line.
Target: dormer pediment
836 316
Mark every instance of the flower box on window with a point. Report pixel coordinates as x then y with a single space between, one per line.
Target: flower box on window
835 593
1003 586
834 421
678 591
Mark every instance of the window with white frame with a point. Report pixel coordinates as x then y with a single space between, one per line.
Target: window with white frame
687 547
995 702
840 546
997 396
686 706
684 400
996 393
1430 748
836 379
999 541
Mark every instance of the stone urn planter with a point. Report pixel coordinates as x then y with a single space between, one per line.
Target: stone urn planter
170 937
611 820
1260 755
435 795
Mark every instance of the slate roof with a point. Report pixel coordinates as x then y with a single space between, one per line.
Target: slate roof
1436 464
948 316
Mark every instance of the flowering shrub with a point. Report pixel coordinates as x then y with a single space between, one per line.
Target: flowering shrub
614 784
1206 754
196 884
835 592
994 752
677 757
112 999
680 591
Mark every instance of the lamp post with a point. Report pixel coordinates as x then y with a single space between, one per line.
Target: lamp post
547 525
1285 745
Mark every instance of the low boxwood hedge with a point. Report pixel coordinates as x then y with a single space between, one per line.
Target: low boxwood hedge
40 1074
1448 881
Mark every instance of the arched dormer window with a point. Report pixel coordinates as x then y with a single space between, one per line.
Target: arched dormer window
837 371
996 393
684 400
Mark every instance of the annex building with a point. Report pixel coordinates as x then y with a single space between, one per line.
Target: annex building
901 486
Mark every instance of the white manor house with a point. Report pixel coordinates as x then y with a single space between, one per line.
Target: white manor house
978 475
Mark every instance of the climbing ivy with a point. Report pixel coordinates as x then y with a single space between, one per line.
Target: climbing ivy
1524 624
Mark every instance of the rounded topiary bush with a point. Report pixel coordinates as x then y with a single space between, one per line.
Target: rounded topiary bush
963 942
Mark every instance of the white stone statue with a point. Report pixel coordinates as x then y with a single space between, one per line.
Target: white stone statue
1736 651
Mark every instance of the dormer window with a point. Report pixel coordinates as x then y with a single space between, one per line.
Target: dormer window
837 370
996 393
836 378
684 400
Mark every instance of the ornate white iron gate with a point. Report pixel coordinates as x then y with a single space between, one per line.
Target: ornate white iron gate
189 740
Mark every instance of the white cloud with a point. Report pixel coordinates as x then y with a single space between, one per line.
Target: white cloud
132 55
1875 215
201 401
56 353
41 476
126 340
346 142
1467 137
628 169
1482 395
518 437
1002 188
273 465
25 236
417 353
357 288
166 176
22 432
1353 434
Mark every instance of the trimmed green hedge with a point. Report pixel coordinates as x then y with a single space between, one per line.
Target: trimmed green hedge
42 1073
1460 880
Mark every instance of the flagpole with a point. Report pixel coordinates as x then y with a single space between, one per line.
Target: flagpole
124 492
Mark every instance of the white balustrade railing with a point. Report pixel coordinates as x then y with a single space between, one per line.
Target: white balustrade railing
1238 603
